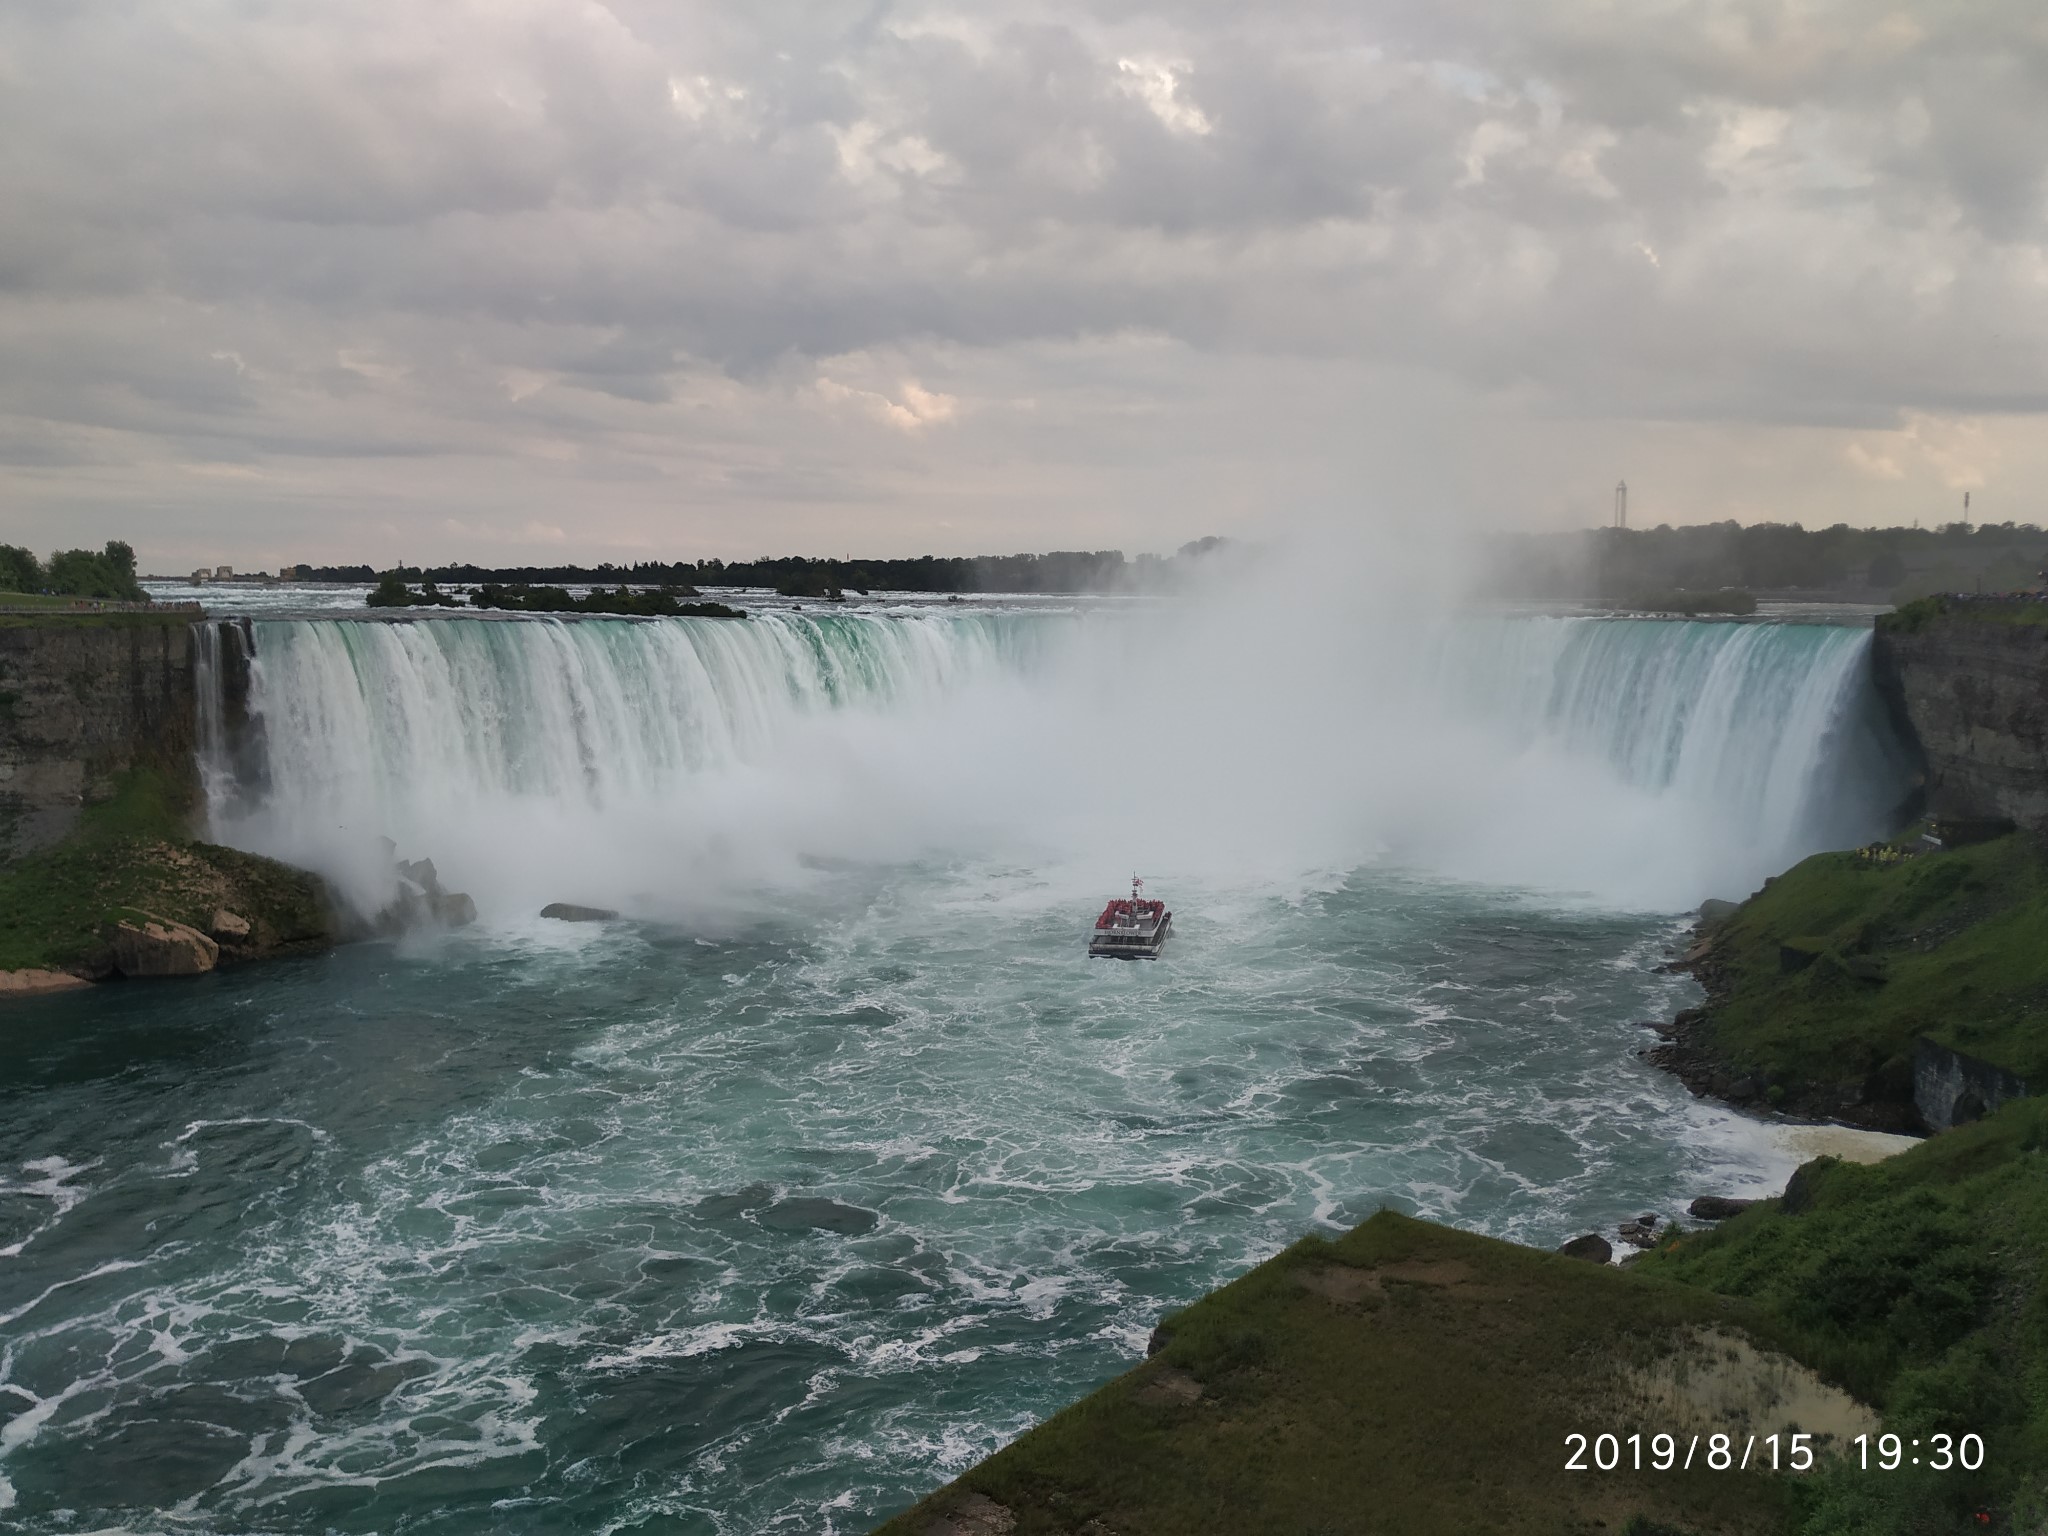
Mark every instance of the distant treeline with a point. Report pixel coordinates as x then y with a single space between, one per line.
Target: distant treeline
1103 570
1618 564
106 573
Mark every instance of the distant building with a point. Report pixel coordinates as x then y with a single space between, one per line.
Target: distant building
201 576
223 573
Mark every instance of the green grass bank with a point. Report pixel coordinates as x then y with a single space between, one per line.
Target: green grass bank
131 856
1821 985
1409 1378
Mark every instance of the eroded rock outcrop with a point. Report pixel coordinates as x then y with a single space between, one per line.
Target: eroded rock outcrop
1968 680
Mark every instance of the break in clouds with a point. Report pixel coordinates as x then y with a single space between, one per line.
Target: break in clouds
366 280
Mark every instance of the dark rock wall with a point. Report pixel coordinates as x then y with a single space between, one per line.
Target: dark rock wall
1974 693
1952 1089
79 705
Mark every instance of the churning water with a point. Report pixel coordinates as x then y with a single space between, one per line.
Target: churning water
836 1163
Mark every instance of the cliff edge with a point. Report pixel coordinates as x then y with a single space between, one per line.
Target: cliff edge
1967 679
85 699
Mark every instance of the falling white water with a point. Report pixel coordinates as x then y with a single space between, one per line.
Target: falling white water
678 767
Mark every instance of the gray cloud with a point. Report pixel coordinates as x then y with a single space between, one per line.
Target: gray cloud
747 253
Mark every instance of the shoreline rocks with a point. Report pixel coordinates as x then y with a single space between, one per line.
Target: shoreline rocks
39 983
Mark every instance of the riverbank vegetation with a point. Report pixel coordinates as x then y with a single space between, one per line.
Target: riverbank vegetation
1827 977
660 603
133 855
1911 618
664 603
107 573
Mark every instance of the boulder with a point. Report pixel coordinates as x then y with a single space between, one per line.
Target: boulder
1161 1336
569 912
1717 1207
1639 1233
155 946
1593 1248
421 901
230 927
1804 1186
451 909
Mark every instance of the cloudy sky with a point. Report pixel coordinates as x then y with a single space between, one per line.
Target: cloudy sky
514 280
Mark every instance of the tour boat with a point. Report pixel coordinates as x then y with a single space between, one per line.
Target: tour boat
1131 929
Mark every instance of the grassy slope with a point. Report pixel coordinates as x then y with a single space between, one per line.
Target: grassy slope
1959 940
1917 1282
132 855
1437 1400
1433 1406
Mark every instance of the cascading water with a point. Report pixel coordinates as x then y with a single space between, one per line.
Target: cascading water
1644 763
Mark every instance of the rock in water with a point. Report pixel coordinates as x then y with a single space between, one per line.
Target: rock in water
230 927
452 909
38 983
1717 1207
156 946
421 900
569 912
1593 1248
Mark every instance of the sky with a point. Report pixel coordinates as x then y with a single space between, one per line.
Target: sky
529 281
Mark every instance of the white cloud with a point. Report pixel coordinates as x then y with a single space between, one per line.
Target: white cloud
1158 86
911 409
497 256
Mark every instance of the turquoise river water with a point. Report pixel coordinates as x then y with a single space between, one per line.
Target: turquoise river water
835 1164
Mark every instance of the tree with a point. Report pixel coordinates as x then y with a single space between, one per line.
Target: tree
391 593
108 574
20 571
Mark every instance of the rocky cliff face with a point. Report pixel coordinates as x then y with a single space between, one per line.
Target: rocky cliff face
80 703
1971 686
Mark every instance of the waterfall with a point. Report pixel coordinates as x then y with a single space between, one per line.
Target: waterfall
671 763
